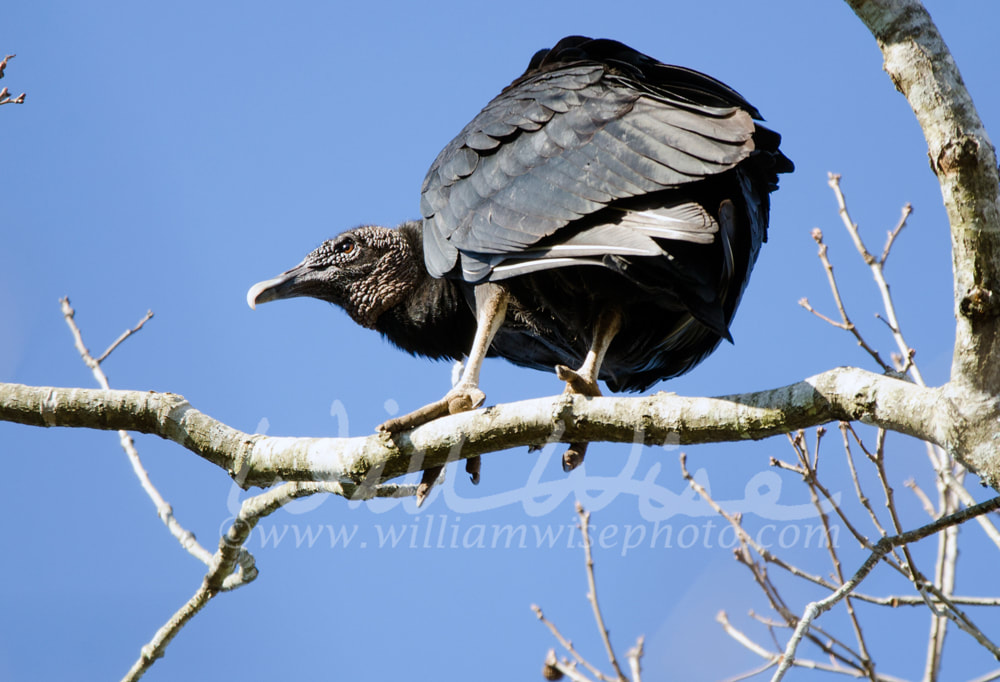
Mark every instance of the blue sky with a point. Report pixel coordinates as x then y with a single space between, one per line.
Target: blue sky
171 155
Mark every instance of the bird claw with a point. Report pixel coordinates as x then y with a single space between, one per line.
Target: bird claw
427 481
573 457
458 399
473 465
463 399
581 385
577 383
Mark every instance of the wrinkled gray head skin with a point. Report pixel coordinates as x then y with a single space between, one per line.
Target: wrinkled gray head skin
365 271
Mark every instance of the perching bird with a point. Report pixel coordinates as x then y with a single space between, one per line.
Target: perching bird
603 213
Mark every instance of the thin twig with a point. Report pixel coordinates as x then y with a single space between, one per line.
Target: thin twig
846 322
988 677
968 500
812 481
907 210
127 333
773 658
759 573
155 648
5 97
747 643
867 665
745 537
230 566
878 457
876 268
816 608
570 671
566 644
754 672
163 509
634 656
943 605
925 501
917 600
592 594
862 498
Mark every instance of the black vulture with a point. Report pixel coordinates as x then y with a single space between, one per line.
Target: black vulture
602 213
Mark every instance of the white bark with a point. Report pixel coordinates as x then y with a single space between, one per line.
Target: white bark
256 460
961 155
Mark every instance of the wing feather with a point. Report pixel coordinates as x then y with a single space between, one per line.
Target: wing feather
566 141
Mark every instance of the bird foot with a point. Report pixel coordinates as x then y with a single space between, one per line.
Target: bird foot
582 385
573 457
427 481
473 466
432 476
458 399
578 383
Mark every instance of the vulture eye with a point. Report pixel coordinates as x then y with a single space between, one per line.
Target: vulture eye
345 247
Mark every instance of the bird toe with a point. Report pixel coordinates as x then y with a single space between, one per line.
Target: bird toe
577 382
573 457
464 398
458 399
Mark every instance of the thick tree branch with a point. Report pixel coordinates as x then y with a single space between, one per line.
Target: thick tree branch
962 156
255 460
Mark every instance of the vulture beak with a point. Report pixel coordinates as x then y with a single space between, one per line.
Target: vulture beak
289 284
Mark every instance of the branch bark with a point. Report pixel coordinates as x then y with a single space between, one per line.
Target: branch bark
255 460
963 158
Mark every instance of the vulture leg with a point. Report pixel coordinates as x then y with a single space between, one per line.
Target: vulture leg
491 307
584 380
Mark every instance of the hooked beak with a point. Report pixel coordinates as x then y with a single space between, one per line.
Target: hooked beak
289 284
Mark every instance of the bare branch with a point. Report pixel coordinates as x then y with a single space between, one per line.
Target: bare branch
231 566
5 97
968 500
592 590
816 608
741 637
922 68
773 658
634 656
925 501
846 323
566 644
163 509
988 677
256 460
127 333
907 210
155 648
879 277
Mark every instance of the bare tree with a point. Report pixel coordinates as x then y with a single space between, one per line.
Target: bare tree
958 420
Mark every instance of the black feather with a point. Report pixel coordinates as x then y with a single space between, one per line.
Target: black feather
600 178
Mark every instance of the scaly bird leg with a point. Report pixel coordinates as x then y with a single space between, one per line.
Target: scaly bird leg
584 380
491 308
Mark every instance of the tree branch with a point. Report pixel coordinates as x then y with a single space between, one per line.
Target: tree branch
255 460
962 156
817 608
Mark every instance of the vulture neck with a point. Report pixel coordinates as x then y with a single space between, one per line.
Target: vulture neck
432 319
